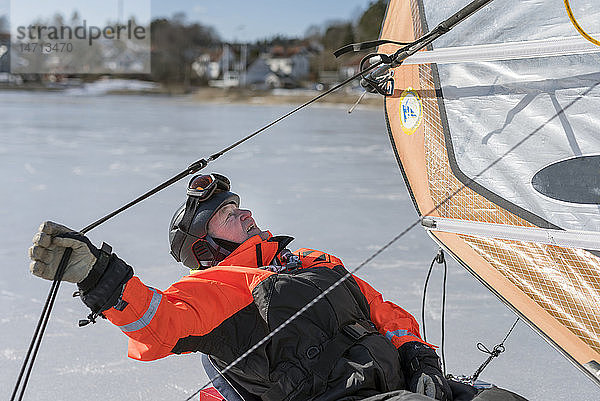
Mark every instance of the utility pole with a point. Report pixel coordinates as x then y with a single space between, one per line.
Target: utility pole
243 66
120 11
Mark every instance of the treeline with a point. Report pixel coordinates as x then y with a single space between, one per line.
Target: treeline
176 43
337 34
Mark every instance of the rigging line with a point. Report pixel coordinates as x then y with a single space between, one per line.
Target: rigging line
40 328
498 349
191 169
442 345
336 87
424 297
440 259
577 26
308 305
202 163
32 344
392 241
510 331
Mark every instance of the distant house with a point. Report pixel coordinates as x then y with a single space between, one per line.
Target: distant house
350 66
279 68
258 71
207 65
213 63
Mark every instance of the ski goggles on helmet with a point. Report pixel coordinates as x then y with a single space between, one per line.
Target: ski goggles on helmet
203 186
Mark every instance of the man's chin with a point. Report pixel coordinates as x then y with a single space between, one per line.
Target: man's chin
256 231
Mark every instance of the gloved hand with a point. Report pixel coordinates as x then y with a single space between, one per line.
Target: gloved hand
99 274
431 383
49 244
423 372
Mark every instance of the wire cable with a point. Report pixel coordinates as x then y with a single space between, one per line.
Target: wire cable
425 285
394 59
498 349
440 259
27 366
405 231
443 323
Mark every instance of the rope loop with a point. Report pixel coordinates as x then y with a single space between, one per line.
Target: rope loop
498 349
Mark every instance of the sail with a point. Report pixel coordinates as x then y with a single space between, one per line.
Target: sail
497 132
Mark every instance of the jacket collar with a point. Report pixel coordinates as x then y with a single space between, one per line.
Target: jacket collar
245 254
256 252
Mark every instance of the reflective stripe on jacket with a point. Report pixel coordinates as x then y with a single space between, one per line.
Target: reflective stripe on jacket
342 346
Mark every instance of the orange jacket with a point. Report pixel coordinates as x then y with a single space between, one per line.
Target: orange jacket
156 321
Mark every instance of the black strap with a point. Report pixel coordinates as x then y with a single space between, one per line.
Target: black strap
229 246
98 269
333 350
259 259
356 47
188 214
320 357
183 227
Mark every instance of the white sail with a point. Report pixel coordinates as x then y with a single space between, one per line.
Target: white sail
497 132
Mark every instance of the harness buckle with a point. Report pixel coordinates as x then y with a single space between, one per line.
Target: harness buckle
312 352
356 331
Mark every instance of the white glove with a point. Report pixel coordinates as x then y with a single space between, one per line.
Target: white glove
49 244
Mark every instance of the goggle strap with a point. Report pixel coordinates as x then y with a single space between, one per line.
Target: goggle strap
188 214
222 182
220 250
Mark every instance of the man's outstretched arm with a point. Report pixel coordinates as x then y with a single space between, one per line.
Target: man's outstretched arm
154 320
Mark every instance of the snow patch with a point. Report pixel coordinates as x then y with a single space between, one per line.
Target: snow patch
94 369
29 168
9 354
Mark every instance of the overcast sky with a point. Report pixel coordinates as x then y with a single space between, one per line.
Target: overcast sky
233 19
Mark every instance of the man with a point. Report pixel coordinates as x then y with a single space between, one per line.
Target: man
350 345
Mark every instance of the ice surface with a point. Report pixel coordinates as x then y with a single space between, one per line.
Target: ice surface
323 176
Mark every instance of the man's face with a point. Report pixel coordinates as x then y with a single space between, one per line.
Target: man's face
233 224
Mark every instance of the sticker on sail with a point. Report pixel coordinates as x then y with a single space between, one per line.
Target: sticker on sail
410 111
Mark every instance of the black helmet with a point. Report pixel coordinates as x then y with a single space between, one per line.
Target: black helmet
188 237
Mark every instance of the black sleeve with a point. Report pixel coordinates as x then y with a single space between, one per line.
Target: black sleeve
415 356
102 288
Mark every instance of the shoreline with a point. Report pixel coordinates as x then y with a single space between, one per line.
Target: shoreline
282 96
212 95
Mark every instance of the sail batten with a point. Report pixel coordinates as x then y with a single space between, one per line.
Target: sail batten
552 47
562 238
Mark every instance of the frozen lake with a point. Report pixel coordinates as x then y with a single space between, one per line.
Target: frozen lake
325 177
